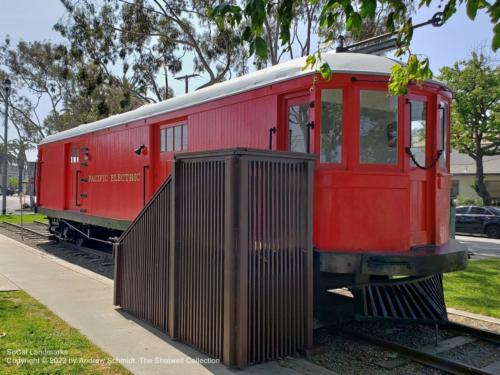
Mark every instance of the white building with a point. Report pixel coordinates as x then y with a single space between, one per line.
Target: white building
463 169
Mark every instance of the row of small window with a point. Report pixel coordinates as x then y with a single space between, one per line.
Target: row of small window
378 133
174 138
74 158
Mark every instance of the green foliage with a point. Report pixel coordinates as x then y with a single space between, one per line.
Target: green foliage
415 71
476 288
12 183
476 110
464 201
27 218
355 16
25 324
77 90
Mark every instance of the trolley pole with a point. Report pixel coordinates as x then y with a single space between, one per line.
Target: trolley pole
186 81
5 151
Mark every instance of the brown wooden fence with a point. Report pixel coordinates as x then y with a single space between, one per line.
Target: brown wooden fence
233 260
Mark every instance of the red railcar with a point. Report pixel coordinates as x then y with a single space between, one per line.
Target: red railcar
370 197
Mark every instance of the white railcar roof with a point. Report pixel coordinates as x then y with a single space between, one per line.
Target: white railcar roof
339 62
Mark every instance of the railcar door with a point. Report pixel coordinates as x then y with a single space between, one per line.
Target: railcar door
420 213
74 176
298 129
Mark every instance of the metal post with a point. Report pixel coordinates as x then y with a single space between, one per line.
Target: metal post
186 81
5 162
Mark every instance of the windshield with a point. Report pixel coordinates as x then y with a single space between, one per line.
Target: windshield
494 210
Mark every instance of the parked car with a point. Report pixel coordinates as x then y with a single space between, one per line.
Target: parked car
478 220
9 191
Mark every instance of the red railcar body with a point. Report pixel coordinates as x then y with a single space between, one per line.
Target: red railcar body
369 195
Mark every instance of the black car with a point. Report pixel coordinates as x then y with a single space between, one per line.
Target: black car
478 220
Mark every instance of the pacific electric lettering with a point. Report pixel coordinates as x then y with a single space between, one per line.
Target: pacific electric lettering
115 177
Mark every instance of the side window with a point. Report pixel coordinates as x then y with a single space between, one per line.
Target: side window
443 133
418 130
184 137
378 133
170 139
455 188
462 210
178 138
174 138
163 139
331 126
75 156
478 211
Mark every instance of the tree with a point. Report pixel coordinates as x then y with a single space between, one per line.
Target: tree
476 111
148 39
355 15
306 31
75 90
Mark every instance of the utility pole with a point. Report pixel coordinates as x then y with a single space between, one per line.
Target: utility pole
5 153
186 80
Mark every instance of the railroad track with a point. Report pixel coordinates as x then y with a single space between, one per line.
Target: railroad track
429 355
26 231
34 234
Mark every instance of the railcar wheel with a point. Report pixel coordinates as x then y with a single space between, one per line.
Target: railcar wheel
79 241
493 231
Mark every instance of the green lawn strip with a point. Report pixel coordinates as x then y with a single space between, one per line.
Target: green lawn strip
27 218
28 330
476 289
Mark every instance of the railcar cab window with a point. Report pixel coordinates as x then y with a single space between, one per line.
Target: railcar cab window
75 156
418 130
443 133
298 118
174 138
331 126
378 133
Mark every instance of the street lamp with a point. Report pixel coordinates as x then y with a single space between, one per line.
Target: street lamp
6 88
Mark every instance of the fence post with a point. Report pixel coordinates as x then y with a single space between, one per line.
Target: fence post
308 201
173 268
242 184
231 230
117 274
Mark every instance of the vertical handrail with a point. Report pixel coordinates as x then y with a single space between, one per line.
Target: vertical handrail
144 170
77 190
271 132
310 125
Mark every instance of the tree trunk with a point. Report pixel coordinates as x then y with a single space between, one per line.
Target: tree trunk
20 169
480 186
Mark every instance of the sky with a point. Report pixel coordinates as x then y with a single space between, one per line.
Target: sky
32 20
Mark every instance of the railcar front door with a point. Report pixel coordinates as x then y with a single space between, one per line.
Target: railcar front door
420 212
298 130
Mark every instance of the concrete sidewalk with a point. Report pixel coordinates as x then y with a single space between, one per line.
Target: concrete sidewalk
84 300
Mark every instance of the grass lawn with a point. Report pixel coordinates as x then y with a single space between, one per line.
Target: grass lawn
27 218
30 332
476 289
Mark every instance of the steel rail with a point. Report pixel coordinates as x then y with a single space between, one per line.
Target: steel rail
41 223
29 230
476 332
92 252
444 364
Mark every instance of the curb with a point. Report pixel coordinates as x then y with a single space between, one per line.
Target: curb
470 315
